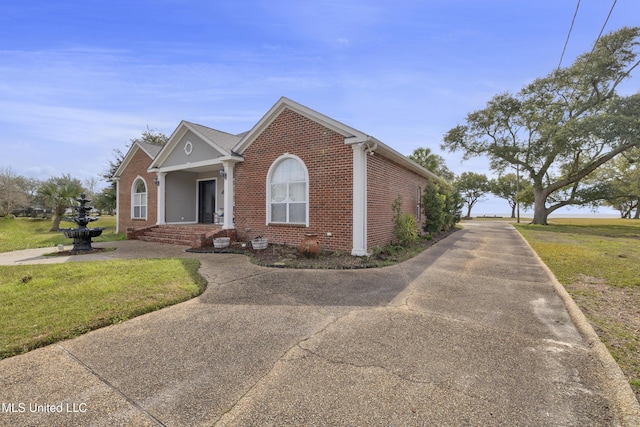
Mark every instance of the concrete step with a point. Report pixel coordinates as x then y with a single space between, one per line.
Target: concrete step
167 240
171 233
190 228
184 235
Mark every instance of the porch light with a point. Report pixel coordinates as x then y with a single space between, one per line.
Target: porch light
156 181
223 174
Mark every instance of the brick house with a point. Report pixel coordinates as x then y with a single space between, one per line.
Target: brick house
295 172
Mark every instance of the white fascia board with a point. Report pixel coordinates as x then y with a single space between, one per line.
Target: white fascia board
186 166
206 140
407 162
280 106
127 158
143 148
231 158
177 134
375 145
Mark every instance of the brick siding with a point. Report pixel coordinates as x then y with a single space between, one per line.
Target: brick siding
385 181
329 162
137 167
330 165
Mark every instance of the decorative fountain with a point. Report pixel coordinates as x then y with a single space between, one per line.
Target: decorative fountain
82 235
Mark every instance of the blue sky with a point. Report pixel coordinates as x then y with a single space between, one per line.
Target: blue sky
79 79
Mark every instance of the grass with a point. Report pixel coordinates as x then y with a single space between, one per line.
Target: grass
598 262
604 248
42 304
27 233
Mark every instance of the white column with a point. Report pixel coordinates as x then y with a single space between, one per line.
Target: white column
359 201
227 223
161 197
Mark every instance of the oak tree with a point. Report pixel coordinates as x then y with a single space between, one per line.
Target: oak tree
472 187
562 127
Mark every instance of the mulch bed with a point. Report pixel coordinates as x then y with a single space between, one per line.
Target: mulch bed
281 256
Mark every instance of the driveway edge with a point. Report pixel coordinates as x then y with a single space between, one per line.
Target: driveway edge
627 408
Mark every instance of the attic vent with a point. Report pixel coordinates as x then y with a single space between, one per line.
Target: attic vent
188 148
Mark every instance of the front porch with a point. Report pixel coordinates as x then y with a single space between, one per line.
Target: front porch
195 176
192 235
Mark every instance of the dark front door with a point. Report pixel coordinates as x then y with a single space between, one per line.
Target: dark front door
207 201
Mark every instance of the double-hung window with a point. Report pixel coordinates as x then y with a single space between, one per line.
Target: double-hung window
288 191
139 199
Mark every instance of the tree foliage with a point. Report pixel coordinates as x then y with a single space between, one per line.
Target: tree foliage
432 162
511 188
148 136
106 200
434 203
562 127
16 192
453 204
620 183
441 204
472 187
58 194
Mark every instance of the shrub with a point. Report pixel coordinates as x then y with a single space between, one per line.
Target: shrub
433 202
441 205
405 226
453 206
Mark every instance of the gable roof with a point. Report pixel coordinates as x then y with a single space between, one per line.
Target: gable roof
234 146
223 139
222 142
284 103
150 150
351 135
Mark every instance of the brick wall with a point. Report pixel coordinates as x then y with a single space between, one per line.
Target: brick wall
137 167
385 181
330 165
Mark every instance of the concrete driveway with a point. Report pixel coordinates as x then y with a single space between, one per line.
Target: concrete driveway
470 332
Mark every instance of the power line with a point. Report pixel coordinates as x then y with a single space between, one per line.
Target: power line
604 25
599 35
564 49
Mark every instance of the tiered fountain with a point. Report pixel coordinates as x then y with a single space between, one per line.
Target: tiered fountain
82 235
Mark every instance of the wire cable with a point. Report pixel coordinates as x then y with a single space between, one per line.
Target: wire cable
601 31
605 24
564 49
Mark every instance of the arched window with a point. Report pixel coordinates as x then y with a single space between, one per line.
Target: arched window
139 199
288 191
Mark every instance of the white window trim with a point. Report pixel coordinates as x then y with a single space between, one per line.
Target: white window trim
273 166
133 195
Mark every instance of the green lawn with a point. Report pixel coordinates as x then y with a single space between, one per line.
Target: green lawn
598 262
42 304
27 233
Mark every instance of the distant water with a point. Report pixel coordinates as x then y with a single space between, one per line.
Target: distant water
553 215
577 215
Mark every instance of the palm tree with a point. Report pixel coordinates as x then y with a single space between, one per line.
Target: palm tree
58 194
432 162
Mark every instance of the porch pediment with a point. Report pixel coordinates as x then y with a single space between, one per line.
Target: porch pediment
194 147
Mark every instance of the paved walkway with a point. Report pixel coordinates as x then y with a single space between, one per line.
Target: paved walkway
470 332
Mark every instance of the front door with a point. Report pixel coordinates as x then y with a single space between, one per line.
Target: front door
206 201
